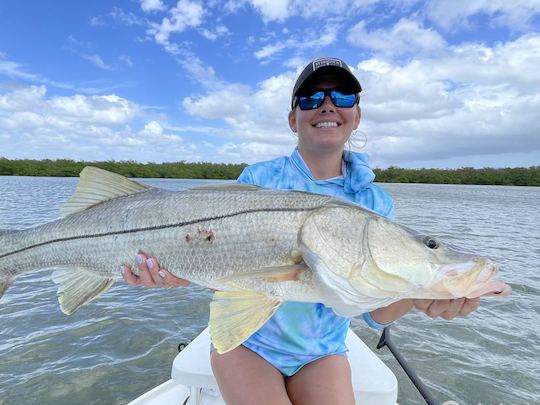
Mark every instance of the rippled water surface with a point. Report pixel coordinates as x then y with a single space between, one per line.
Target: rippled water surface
123 343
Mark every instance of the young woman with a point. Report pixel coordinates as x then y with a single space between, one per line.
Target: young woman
299 355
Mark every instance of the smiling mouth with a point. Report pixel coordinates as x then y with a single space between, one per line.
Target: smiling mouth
327 124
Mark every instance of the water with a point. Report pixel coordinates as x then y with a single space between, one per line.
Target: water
123 343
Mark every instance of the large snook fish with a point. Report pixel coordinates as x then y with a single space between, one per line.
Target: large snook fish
258 247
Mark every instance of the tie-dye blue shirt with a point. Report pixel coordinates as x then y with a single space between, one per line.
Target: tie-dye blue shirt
299 333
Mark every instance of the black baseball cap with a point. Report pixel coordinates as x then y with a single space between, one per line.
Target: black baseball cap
324 66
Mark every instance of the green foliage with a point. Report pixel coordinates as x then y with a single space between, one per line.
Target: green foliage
70 168
508 176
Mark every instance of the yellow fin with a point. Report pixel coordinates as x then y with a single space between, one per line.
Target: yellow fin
77 286
270 274
236 315
98 185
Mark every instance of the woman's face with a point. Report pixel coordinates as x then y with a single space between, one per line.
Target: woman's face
327 128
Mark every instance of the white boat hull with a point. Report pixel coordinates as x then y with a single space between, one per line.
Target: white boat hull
193 382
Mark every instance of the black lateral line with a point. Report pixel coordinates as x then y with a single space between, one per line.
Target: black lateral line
157 227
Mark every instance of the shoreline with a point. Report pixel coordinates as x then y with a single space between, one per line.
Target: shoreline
508 176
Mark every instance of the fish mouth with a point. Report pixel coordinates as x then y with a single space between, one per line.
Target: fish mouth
470 279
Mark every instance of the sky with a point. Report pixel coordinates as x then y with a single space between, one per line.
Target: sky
446 84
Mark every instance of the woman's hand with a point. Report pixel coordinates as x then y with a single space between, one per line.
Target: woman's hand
150 274
447 309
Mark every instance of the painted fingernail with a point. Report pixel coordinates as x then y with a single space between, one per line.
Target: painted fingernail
149 263
122 269
138 259
161 273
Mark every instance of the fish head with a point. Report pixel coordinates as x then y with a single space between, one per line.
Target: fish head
372 256
400 260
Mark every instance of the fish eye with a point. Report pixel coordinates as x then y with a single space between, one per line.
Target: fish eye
431 243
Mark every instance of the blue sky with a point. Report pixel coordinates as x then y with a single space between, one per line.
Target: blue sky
446 83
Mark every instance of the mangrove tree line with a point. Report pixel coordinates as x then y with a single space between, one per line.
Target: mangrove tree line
516 176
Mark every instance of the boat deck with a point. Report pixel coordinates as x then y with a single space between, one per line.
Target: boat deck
193 382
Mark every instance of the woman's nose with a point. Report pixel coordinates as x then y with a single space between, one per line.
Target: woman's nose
327 105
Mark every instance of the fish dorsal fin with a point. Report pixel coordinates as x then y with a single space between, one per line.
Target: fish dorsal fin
78 286
98 185
236 315
229 187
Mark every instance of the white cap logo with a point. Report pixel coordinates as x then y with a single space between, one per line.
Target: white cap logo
326 62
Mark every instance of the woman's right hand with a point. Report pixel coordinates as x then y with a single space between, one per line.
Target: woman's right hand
150 274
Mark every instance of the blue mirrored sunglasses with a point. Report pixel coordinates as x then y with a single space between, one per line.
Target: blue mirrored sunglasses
317 99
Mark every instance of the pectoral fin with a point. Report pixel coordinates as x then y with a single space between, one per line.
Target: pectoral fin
77 286
236 315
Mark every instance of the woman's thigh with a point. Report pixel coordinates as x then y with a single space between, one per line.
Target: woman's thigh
324 381
244 377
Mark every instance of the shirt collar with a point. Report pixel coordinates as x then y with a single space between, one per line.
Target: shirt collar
356 172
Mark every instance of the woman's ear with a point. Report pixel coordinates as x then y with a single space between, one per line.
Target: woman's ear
292 121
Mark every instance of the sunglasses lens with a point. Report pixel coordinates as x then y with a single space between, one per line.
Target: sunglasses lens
311 102
343 100
317 99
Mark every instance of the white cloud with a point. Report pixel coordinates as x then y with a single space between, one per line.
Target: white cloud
269 50
280 10
241 151
19 71
97 21
125 18
152 5
126 60
22 99
330 8
219 31
233 6
301 41
96 60
405 37
466 100
82 127
516 14
108 109
195 67
443 99
66 111
14 69
253 115
470 100
186 14
271 10
153 128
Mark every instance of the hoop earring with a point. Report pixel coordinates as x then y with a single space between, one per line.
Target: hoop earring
352 142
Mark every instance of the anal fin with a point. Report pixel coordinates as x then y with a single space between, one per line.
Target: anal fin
78 286
236 315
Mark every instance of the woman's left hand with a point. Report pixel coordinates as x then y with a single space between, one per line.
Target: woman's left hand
447 309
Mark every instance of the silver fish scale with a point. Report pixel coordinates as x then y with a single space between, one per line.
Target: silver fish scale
200 235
